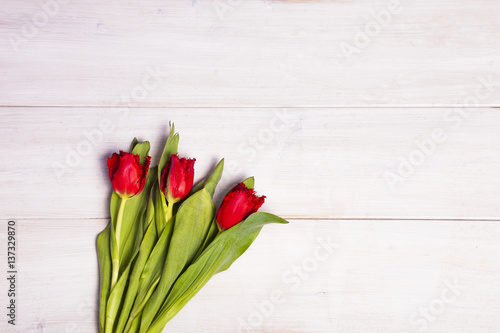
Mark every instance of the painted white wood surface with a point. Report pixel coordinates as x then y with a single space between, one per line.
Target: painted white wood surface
372 276
248 53
311 163
266 85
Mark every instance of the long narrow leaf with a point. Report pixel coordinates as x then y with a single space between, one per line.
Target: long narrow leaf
115 300
151 273
219 255
153 267
209 237
104 257
170 148
145 249
191 224
160 211
213 179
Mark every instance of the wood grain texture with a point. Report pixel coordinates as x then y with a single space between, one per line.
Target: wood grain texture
249 53
311 163
333 276
368 124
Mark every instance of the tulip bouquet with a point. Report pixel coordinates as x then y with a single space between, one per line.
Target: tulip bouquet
166 239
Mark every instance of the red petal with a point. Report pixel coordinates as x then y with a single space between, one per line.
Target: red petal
127 175
177 178
238 204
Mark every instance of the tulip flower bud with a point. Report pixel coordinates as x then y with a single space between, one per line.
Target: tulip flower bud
237 205
126 173
177 178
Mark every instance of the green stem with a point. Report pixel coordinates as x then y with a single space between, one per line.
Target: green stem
116 257
129 325
169 212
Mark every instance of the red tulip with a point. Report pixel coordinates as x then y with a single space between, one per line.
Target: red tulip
237 205
126 173
177 178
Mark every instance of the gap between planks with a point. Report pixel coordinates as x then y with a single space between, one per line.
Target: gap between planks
339 106
289 218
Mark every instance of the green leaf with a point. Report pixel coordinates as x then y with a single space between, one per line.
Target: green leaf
192 222
210 182
214 178
209 237
151 273
135 217
134 142
198 186
170 148
146 246
114 301
218 256
135 325
160 211
141 149
133 211
104 257
249 182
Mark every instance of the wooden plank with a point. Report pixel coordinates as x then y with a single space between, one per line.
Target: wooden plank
250 53
310 163
333 276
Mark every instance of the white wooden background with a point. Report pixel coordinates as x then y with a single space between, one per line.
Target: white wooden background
370 125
